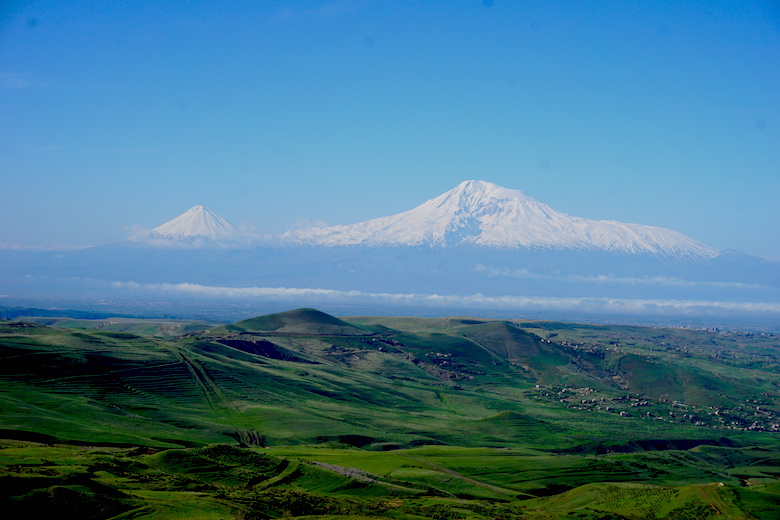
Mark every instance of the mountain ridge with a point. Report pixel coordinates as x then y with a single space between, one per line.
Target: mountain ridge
480 213
454 264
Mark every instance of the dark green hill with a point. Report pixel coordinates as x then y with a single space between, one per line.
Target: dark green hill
313 376
298 321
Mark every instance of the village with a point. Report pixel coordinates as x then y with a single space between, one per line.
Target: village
751 415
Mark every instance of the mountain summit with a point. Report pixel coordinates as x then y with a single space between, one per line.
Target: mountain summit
480 213
196 222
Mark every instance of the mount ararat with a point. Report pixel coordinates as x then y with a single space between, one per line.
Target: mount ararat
480 213
477 245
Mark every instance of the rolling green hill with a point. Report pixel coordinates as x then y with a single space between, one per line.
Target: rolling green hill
147 327
298 321
301 413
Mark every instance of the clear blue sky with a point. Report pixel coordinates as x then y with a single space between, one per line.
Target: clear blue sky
114 114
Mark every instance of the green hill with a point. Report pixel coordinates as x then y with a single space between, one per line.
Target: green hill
445 418
298 321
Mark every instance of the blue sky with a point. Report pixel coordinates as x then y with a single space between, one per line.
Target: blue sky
277 113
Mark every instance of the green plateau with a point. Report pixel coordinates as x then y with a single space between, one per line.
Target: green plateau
303 414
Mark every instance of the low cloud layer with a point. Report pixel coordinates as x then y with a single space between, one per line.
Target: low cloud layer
654 307
606 278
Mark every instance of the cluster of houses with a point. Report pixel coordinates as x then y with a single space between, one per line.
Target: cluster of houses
746 417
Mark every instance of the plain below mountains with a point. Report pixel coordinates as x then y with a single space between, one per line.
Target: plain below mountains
302 414
303 375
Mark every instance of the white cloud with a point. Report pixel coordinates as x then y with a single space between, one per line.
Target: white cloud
509 302
607 278
245 235
302 224
55 247
136 232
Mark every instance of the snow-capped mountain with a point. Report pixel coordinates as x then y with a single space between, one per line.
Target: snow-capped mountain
478 245
196 222
480 213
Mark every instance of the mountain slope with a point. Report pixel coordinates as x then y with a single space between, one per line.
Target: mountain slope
480 213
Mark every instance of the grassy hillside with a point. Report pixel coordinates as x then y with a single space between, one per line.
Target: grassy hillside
221 481
392 417
147 327
298 321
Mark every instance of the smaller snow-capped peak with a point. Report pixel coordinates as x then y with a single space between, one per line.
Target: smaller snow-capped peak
480 213
196 222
